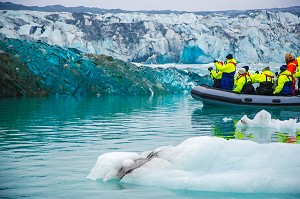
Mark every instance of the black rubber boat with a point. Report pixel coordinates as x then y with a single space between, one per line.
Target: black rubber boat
215 96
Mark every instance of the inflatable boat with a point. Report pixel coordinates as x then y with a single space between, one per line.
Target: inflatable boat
215 96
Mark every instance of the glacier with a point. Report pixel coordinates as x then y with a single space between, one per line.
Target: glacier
30 68
257 36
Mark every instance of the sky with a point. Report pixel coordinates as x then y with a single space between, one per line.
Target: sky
179 5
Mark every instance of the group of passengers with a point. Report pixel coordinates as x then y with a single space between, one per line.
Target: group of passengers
224 77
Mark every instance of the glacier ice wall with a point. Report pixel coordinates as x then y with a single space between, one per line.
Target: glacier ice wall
253 36
30 68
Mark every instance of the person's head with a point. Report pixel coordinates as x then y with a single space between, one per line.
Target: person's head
283 68
289 57
266 69
246 67
242 71
229 56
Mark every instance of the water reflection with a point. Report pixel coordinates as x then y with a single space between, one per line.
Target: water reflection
223 121
108 120
65 107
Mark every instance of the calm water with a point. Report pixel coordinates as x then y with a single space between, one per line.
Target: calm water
49 145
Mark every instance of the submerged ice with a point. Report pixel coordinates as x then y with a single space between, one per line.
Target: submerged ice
211 163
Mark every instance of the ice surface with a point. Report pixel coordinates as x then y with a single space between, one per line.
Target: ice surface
214 164
263 120
256 36
62 71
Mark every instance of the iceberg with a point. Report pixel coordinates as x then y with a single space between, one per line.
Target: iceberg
208 164
263 127
32 68
263 119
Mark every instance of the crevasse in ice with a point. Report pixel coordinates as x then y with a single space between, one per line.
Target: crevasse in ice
252 36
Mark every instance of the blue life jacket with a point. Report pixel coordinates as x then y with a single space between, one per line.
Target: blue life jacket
227 81
287 88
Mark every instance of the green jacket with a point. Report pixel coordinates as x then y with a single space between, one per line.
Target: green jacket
283 77
240 81
229 67
215 75
265 76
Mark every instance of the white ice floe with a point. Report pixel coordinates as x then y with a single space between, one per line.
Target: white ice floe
263 119
209 164
226 119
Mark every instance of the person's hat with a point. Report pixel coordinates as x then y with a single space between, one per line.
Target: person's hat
246 67
283 68
289 57
229 56
242 71
266 68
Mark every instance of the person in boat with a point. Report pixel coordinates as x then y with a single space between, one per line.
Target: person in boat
216 76
265 80
297 73
291 64
247 70
284 82
228 72
243 83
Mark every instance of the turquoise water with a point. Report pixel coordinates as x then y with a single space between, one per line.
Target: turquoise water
49 145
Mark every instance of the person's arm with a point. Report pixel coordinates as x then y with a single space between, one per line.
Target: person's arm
280 84
218 65
297 74
215 74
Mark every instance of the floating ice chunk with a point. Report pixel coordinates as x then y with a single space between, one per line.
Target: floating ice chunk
226 119
263 119
208 164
